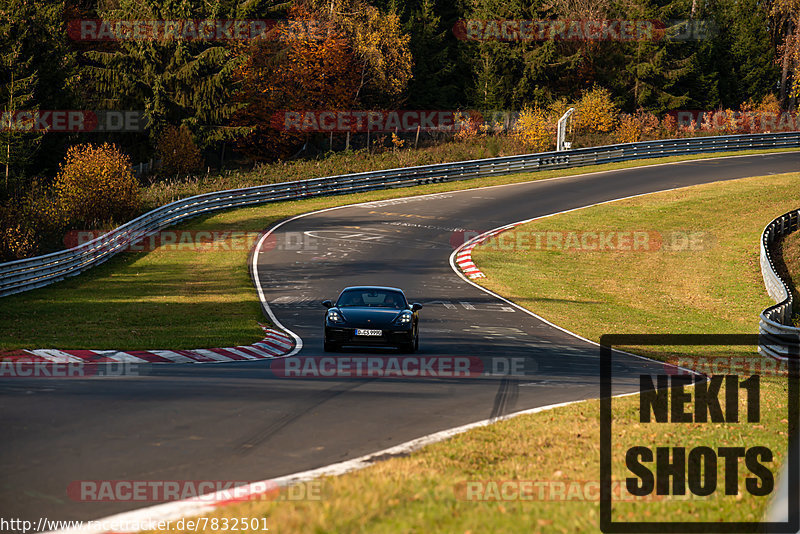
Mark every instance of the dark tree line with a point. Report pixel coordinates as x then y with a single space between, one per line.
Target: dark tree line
402 54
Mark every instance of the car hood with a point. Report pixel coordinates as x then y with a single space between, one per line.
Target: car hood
369 317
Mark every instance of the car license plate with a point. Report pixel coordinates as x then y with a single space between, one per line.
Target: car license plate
362 332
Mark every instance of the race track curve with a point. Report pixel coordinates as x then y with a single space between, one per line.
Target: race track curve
240 421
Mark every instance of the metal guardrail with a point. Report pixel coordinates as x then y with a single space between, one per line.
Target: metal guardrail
23 275
778 338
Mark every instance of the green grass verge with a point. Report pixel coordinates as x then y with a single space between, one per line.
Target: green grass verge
426 491
182 299
591 292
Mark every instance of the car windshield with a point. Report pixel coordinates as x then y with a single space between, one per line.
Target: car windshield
372 298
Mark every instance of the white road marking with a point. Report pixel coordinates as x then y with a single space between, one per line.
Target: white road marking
197 506
212 355
173 356
119 356
446 304
525 310
56 356
241 353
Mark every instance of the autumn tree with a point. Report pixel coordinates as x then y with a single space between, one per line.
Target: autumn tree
178 152
36 71
535 129
786 18
380 48
95 184
596 111
303 66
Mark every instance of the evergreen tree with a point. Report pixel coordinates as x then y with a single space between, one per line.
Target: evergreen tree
742 55
37 67
174 81
17 147
432 84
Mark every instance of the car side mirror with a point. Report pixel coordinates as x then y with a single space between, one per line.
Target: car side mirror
327 303
416 306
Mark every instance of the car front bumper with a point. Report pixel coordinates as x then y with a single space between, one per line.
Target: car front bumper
347 336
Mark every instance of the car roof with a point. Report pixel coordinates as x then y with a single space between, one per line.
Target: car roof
373 287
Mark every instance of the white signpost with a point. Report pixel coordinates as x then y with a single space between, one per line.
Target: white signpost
562 129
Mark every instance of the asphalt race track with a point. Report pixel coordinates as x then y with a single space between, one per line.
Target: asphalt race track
240 421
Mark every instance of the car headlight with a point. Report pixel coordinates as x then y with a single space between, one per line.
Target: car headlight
404 318
334 317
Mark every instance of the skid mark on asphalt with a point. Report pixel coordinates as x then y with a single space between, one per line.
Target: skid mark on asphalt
506 398
262 435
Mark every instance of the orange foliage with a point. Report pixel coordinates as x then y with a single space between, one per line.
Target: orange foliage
628 130
298 71
178 152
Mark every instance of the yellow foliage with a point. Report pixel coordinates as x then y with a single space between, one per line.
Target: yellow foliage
396 141
178 152
378 41
26 222
769 107
595 111
768 104
17 241
96 184
632 128
628 130
559 107
535 129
